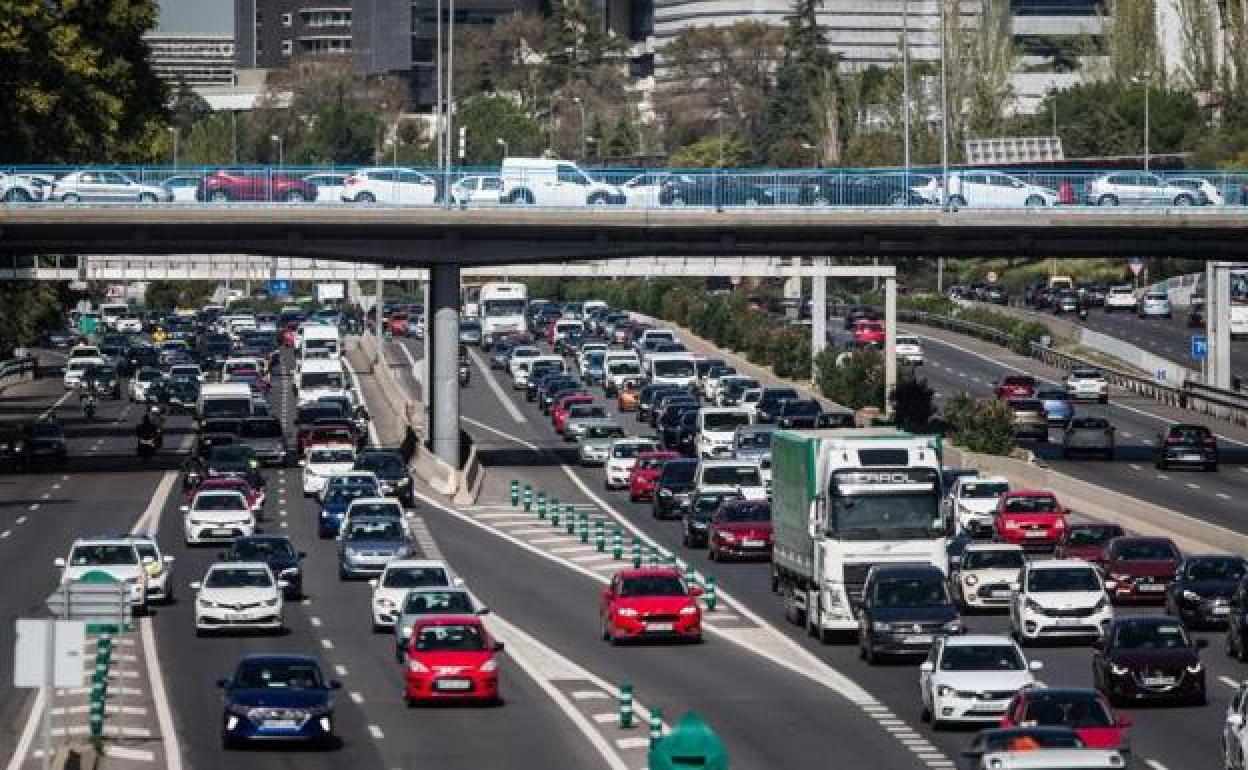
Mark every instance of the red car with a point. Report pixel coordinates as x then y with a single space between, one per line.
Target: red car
397 324
254 497
1087 541
227 185
559 411
645 472
324 433
288 335
451 658
1140 568
1030 518
1083 710
1016 386
650 602
740 529
867 332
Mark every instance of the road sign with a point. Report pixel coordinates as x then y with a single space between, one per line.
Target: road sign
1136 264
1200 347
97 603
31 652
279 287
87 324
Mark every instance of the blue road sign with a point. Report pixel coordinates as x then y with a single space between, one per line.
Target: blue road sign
279 287
1200 347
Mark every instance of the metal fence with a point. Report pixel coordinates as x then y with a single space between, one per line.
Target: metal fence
17 370
543 182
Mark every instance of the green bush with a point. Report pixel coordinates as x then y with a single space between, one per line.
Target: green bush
981 426
858 383
913 406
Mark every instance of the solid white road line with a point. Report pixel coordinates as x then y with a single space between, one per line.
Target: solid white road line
511 408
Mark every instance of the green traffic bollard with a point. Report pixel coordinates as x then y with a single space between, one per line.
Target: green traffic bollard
97 725
554 518
600 536
626 706
571 519
584 527
636 552
515 493
656 724
528 497
99 690
541 505
670 560
654 556
554 503
617 545
711 597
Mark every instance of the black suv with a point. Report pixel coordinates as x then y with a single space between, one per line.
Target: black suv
391 472
673 486
669 424
768 408
696 517
104 380
648 396
275 551
902 610
799 413
1183 444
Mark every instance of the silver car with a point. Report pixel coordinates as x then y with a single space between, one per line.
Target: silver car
17 189
580 417
1091 435
1154 304
368 542
1139 188
104 186
430 600
595 442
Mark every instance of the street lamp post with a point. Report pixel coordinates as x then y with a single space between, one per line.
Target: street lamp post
944 114
173 130
501 142
905 90
278 140
1145 79
592 141
581 105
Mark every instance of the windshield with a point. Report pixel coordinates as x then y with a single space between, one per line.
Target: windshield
800 408
885 516
1144 550
1073 710
271 428
263 549
437 603
331 456
1150 635
624 368
754 440
587 410
229 456
307 415
278 675
1031 504
238 577
1214 569
500 307
675 368
677 472
450 638
387 510
630 449
603 431
986 657
904 592
347 493
724 421
375 530
414 577
382 464
1061 579
234 502
320 380
1092 535
731 475
225 407
984 490
992 559
652 585
320 344
746 512
103 555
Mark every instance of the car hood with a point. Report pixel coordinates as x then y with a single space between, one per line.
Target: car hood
1142 568
387 546
1066 600
1209 589
454 662
656 604
219 515
978 505
937 614
747 529
983 681
123 572
279 698
237 595
1093 553
1149 658
330 469
995 575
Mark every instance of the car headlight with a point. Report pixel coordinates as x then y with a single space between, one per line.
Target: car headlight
1033 605
1010 524
403 482
953 626
1118 670
1191 596
207 603
880 626
727 537
290 572
1196 668
690 610
626 612
489 666
944 691
416 667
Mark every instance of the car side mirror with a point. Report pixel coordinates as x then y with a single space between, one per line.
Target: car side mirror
927 667
168 559
457 582
59 561
196 586
302 555
499 647
374 583
1036 665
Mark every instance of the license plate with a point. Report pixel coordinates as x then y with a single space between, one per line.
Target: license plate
660 626
1000 593
988 708
1192 458
452 684
220 532
1150 588
917 639
1066 621
1158 681
753 543
1036 533
280 724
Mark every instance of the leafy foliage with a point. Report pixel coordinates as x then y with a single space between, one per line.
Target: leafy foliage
913 406
981 426
857 382
489 118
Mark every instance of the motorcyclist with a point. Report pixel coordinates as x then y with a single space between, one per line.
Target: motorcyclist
86 396
149 430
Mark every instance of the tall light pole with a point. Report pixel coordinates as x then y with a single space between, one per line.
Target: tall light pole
581 105
905 91
173 130
437 58
1145 79
278 141
501 142
592 141
944 115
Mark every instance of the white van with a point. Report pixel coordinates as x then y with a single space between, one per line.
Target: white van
224 400
563 326
655 334
731 476
320 377
318 341
672 369
520 369
553 182
717 430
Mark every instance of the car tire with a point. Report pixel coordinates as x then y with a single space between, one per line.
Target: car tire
1034 201
1183 200
1212 468
711 553
71 198
598 199
366 197
1107 200
147 198
294 196
218 196
925 716
957 202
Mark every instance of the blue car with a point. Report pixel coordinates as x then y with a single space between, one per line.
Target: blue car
1057 408
334 508
278 698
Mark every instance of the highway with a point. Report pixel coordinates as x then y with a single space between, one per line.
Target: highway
1171 738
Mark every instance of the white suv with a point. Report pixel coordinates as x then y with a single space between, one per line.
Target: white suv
973 502
622 456
238 595
1120 298
390 185
972 679
115 556
989 189
909 349
985 575
1060 599
1085 383
1138 188
1155 304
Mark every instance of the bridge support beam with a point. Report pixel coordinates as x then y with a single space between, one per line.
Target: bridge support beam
443 328
818 317
890 342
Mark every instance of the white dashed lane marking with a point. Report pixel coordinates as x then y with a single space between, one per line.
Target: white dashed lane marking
327 644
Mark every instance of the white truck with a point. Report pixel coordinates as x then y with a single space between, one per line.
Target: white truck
845 500
672 369
501 308
224 400
315 340
319 377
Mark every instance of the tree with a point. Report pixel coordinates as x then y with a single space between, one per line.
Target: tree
803 107
1107 118
342 132
1131 41
78 84
212 140
990 63
709 151
28 309
188 108
623 140
490 118
1198 29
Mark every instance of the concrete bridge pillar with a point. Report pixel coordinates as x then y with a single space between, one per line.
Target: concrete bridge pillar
442 328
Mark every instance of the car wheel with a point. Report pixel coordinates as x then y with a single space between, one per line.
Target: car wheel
71 198
598 199
147 198
1107 200
294 196
1034 201
1102 399
366 197
869 654
520 196
925 716
219 196
1183 200
17 195
957 202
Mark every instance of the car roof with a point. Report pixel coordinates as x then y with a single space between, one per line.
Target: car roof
905 569
993 547
418 563
649 572
377 501
973 640
457 619
102 540
236 564
1031 493
1058 564
278 657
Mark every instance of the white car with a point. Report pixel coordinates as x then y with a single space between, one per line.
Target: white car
717 430
399 577
477 191
141 383
1059 599
1200 186
238 595
622 456
76 368
972 678
985 575
1137 188
1052 759
104 186
909 349
217 516
1087 384
322 461
1154 304
988 189
1235 731
390 185
187 372
329 185
1120 298
116 556
183 188
972 502
731 476
158 566
128 324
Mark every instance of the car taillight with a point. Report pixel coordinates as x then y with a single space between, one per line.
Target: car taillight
1210 442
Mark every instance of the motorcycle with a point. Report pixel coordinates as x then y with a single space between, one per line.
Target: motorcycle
465 375
148 446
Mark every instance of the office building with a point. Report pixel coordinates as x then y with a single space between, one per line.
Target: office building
271 33
197 60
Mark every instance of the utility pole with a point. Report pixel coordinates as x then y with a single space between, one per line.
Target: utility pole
944 113
905 92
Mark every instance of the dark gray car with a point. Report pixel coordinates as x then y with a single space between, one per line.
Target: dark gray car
368 543
1088 435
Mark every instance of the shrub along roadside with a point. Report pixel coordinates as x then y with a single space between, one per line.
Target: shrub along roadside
985 426
1022 332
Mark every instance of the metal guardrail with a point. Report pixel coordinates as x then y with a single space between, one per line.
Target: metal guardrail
17 370
968 328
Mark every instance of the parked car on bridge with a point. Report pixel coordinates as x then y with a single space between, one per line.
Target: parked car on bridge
554 182
17 189
989 189
1139 188
477 191
390 185
329 185
1212 195
102 186
228 185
